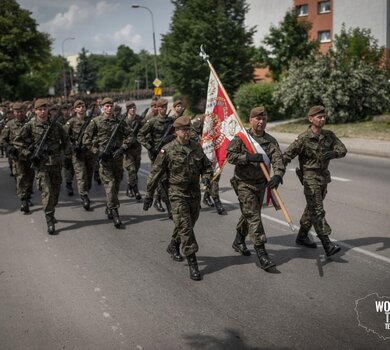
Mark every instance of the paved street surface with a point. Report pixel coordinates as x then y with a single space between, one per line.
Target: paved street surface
97 287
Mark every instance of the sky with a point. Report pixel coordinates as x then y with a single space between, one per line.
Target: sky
100 26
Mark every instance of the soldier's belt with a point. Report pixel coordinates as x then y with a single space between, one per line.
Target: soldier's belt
314 172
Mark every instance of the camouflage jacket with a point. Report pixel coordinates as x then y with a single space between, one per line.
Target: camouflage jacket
250 172
31 135
134 124
99 131
183 165
310 148
153 131
11 130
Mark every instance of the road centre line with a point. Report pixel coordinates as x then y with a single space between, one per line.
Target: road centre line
283 223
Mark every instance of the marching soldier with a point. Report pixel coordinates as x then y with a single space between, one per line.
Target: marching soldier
82 158
67 163
23 172
183 162
178 109
250 184
315 148
151 112
46 158
132 158
156 133
109 138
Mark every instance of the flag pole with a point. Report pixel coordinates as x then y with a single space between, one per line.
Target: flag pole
262 165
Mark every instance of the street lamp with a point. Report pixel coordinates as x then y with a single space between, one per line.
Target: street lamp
136 6
63 68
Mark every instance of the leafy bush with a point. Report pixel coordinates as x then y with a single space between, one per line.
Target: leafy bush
253 95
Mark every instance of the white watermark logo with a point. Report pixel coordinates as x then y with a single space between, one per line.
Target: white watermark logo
373 314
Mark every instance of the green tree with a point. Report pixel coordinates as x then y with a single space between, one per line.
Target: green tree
22 48
126 58
286 42
220 26
350 86
86 74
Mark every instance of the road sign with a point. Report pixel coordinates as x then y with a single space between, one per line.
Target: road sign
157 91
157 82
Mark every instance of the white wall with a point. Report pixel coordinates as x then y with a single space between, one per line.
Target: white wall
263 13
369 14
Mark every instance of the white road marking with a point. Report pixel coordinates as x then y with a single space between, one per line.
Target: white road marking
342 179
281 222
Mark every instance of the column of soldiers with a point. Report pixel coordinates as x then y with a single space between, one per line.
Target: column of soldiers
113 142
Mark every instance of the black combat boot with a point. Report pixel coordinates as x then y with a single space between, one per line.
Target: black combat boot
304 239
86 202
115 216
157 205
218 206
329 247
109 213
207 200
137 195
24 206
51 229
264 259
69 188
30 204
240 246
130 191
174 249
193 266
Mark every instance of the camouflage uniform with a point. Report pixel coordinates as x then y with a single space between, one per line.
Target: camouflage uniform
310 148
21 165
69 171
183 165
95 139
83 161
48 173
249 183
150 136
132 158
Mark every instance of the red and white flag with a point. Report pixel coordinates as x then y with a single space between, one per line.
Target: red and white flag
221 124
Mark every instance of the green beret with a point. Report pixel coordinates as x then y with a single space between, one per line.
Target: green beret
316 110
177 102
41 102
130 104
78 103
107 101
258 111
182 122
162 102
17 106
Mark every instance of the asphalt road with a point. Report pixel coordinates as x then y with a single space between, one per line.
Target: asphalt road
97 287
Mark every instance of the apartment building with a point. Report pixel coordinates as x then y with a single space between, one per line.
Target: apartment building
326 16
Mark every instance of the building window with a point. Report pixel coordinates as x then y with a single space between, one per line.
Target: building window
303 10
324 37
324 7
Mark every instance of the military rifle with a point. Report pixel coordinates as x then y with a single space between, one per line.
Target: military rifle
110 146
41 151
79 142
164 140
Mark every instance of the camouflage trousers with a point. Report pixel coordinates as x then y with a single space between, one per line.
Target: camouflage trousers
185 213
83 168
24 175
49 180
111 174
214 189
314 213
132 163
251 198
68 169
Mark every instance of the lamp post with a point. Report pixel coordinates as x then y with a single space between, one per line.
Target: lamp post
136 6
63 68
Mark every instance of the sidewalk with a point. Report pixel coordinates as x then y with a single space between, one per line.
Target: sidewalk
358 146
